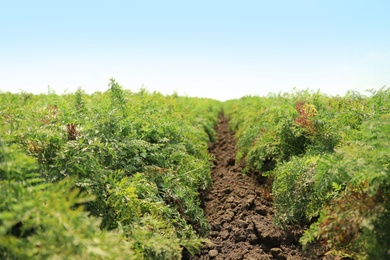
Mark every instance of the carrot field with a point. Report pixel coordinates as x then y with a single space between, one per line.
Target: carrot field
122 175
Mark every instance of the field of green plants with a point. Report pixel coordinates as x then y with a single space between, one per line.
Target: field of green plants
329 162
117 175
113 175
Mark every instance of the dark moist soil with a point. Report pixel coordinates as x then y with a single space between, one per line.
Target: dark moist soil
240 211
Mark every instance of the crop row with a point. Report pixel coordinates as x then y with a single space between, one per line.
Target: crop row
328 159
113 175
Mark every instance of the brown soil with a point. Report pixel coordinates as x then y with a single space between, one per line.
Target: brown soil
240 211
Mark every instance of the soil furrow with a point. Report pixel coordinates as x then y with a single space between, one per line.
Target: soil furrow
240 211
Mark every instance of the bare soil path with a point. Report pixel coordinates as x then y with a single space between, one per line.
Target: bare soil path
240 211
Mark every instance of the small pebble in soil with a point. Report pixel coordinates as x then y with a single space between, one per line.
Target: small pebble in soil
213 253
224 234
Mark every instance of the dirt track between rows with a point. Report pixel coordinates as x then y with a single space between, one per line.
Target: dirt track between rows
240 211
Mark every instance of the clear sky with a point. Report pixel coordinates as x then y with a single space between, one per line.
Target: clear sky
221 49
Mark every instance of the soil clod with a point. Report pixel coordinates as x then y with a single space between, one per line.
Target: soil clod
239 211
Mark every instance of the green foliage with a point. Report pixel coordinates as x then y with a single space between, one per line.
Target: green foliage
360 172
328 158
79 102
142 157
117 174
118 101
42 220
293 189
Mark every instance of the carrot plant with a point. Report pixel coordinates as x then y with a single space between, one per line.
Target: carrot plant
140 160
328 159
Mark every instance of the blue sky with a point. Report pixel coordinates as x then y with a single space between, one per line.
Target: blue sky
218 49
